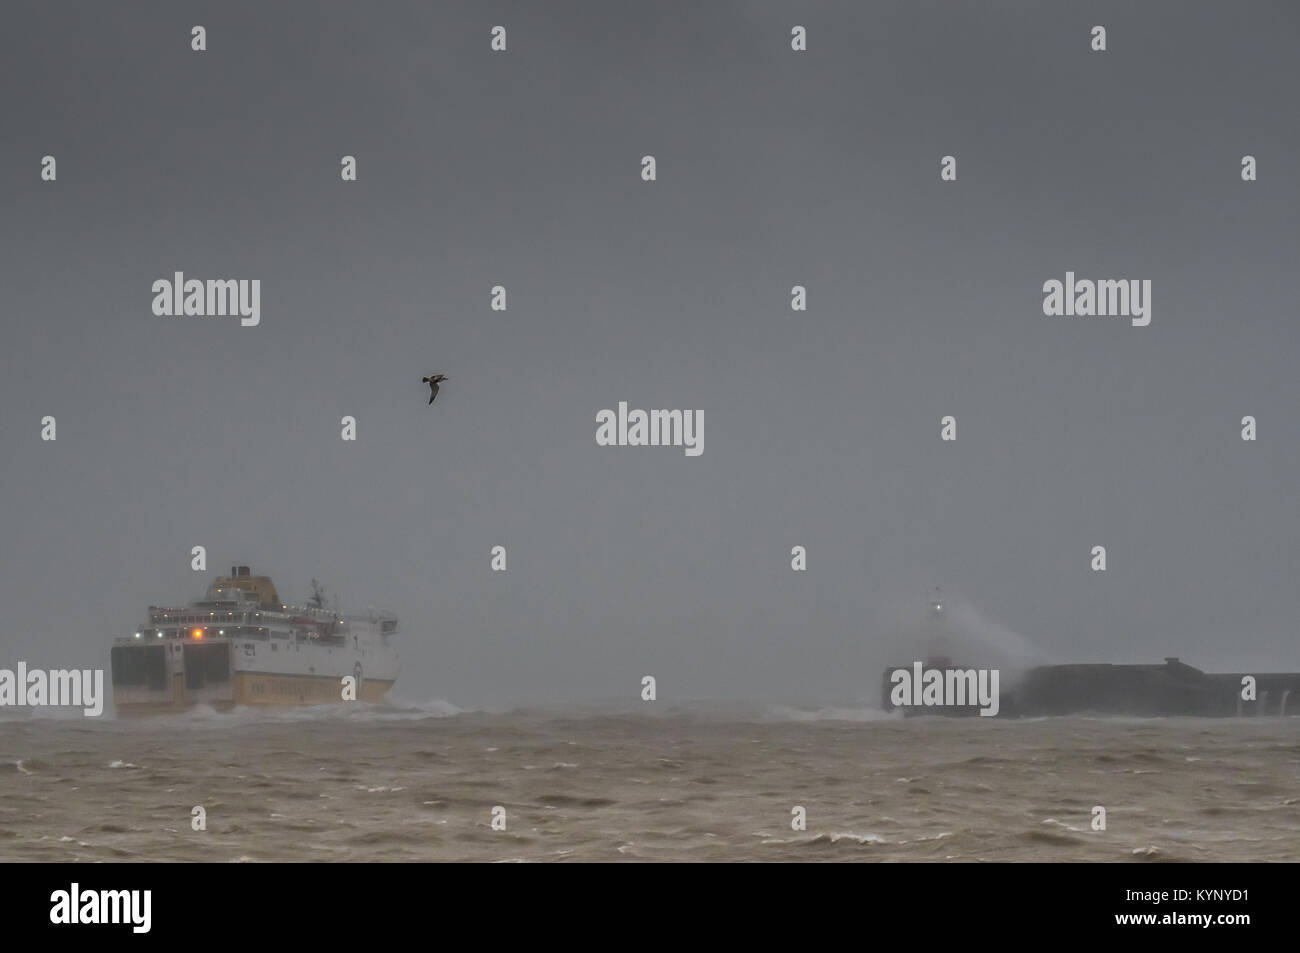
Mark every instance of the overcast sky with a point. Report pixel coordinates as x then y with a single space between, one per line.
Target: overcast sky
821 428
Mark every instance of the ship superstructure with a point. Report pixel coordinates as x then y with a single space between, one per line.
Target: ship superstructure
240 645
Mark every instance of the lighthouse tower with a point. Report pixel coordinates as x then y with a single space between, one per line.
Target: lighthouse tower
938 635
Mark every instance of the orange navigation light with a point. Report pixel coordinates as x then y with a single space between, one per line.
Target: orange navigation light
198 633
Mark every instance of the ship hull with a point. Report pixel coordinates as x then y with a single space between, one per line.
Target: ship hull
168 678
256 690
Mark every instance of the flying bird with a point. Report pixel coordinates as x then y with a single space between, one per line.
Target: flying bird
433 383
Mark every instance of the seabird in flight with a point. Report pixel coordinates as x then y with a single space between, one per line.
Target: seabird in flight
433 383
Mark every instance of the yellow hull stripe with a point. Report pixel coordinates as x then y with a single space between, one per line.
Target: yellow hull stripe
257 689
264 689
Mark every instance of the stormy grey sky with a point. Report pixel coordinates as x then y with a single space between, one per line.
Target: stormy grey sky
821 428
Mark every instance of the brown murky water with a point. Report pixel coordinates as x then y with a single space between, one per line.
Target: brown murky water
387 783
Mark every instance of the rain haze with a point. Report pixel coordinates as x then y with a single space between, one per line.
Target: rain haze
821 427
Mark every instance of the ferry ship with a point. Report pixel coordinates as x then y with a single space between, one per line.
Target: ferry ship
240 645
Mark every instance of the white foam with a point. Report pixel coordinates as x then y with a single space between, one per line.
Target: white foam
785 713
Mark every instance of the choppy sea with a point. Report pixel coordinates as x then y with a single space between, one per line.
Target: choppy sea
425 782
